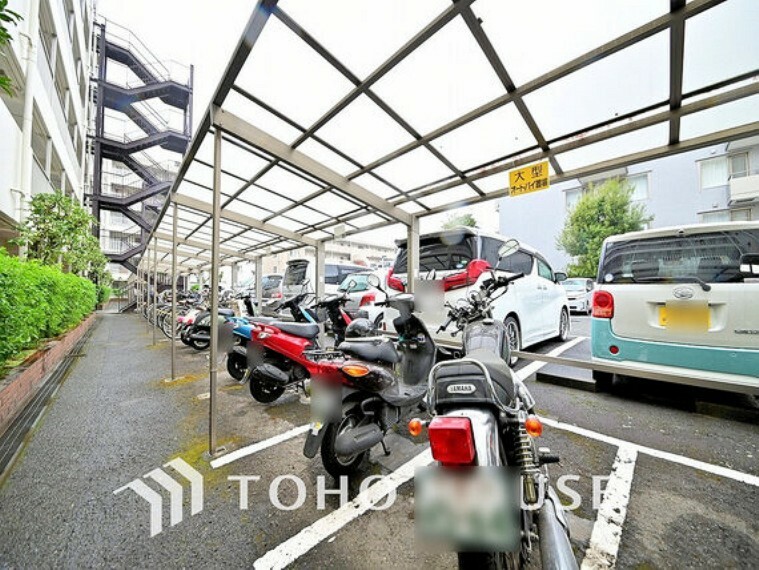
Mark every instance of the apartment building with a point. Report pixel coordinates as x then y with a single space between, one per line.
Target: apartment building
713 184
44 123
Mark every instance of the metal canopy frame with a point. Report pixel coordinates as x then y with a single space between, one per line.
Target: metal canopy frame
275 195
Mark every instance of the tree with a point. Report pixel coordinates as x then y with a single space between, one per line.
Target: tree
458 220
58 231
604 211
7 18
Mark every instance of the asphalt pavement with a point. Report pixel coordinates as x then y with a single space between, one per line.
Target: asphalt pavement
690 499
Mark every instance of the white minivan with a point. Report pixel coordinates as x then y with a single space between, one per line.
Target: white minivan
457 261
299 271
683 301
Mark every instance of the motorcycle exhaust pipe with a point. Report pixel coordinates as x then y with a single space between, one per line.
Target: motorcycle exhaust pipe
555 549
358 439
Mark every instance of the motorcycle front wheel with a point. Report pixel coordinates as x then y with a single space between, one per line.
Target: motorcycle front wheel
236 365
338 465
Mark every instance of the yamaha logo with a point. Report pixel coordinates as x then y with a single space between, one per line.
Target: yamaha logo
461 388
683 292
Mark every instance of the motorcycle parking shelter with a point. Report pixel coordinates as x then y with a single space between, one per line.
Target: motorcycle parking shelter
298 150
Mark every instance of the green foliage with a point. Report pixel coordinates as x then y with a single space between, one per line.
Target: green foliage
7 18
38 302
605 211
104 293
458 220
58 232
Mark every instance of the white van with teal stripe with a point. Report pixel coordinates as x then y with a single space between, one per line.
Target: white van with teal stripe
682 301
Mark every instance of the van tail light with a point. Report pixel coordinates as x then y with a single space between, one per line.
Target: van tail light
277 295
451 440
367 299
474 269
394 282
603 305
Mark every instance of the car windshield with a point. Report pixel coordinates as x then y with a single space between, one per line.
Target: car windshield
710 257
361 279
575 284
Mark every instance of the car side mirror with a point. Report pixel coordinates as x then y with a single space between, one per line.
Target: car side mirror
589 287
749 265
559 276
509 247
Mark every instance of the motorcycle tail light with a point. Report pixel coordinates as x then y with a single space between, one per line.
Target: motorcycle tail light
367 299
603 305
474 269
394 282
277 295
451 440
355 370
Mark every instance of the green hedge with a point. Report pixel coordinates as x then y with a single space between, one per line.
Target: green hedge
37 302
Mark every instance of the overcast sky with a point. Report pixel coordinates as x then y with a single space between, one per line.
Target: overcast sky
448 76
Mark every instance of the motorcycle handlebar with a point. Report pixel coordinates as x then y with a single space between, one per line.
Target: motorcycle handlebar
445 325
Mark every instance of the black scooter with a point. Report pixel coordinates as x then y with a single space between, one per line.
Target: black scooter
382 383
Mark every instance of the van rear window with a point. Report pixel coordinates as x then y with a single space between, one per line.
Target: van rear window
711 257
445 253
295 274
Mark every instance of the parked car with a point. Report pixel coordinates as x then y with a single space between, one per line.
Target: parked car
681 300
362 297
452 263
271 286
298 271
580 294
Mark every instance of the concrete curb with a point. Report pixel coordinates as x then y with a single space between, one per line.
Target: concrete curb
22 383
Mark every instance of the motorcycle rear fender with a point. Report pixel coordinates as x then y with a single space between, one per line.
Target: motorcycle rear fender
237 349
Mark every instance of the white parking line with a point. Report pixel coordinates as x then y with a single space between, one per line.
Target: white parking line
256 447
667 456
607 530
295 547
298 545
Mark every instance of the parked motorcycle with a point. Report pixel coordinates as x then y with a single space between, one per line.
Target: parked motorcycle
273 355
382 383
199 334
484 416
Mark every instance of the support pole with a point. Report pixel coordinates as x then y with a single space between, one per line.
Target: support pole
155 290
319 273
146 272
215 239
260 284
412 248
174 293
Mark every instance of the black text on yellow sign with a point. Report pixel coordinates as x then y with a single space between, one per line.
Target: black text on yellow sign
529 179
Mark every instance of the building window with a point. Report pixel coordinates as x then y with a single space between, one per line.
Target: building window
573 196
719 216
714 172
639 183
739 165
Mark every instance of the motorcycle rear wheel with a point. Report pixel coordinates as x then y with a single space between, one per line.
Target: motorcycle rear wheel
489 560
263 391
334 464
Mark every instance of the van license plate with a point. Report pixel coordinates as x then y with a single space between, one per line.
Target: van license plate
685 316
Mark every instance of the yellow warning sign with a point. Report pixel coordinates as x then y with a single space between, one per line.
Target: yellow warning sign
529 179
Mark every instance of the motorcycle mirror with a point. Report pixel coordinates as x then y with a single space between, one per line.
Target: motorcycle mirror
509 247
374 281
351 285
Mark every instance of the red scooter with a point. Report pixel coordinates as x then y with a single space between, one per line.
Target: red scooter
281 355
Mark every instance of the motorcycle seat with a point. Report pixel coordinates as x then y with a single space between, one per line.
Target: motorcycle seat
378 349
404 395
264 320
302 330
226 312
